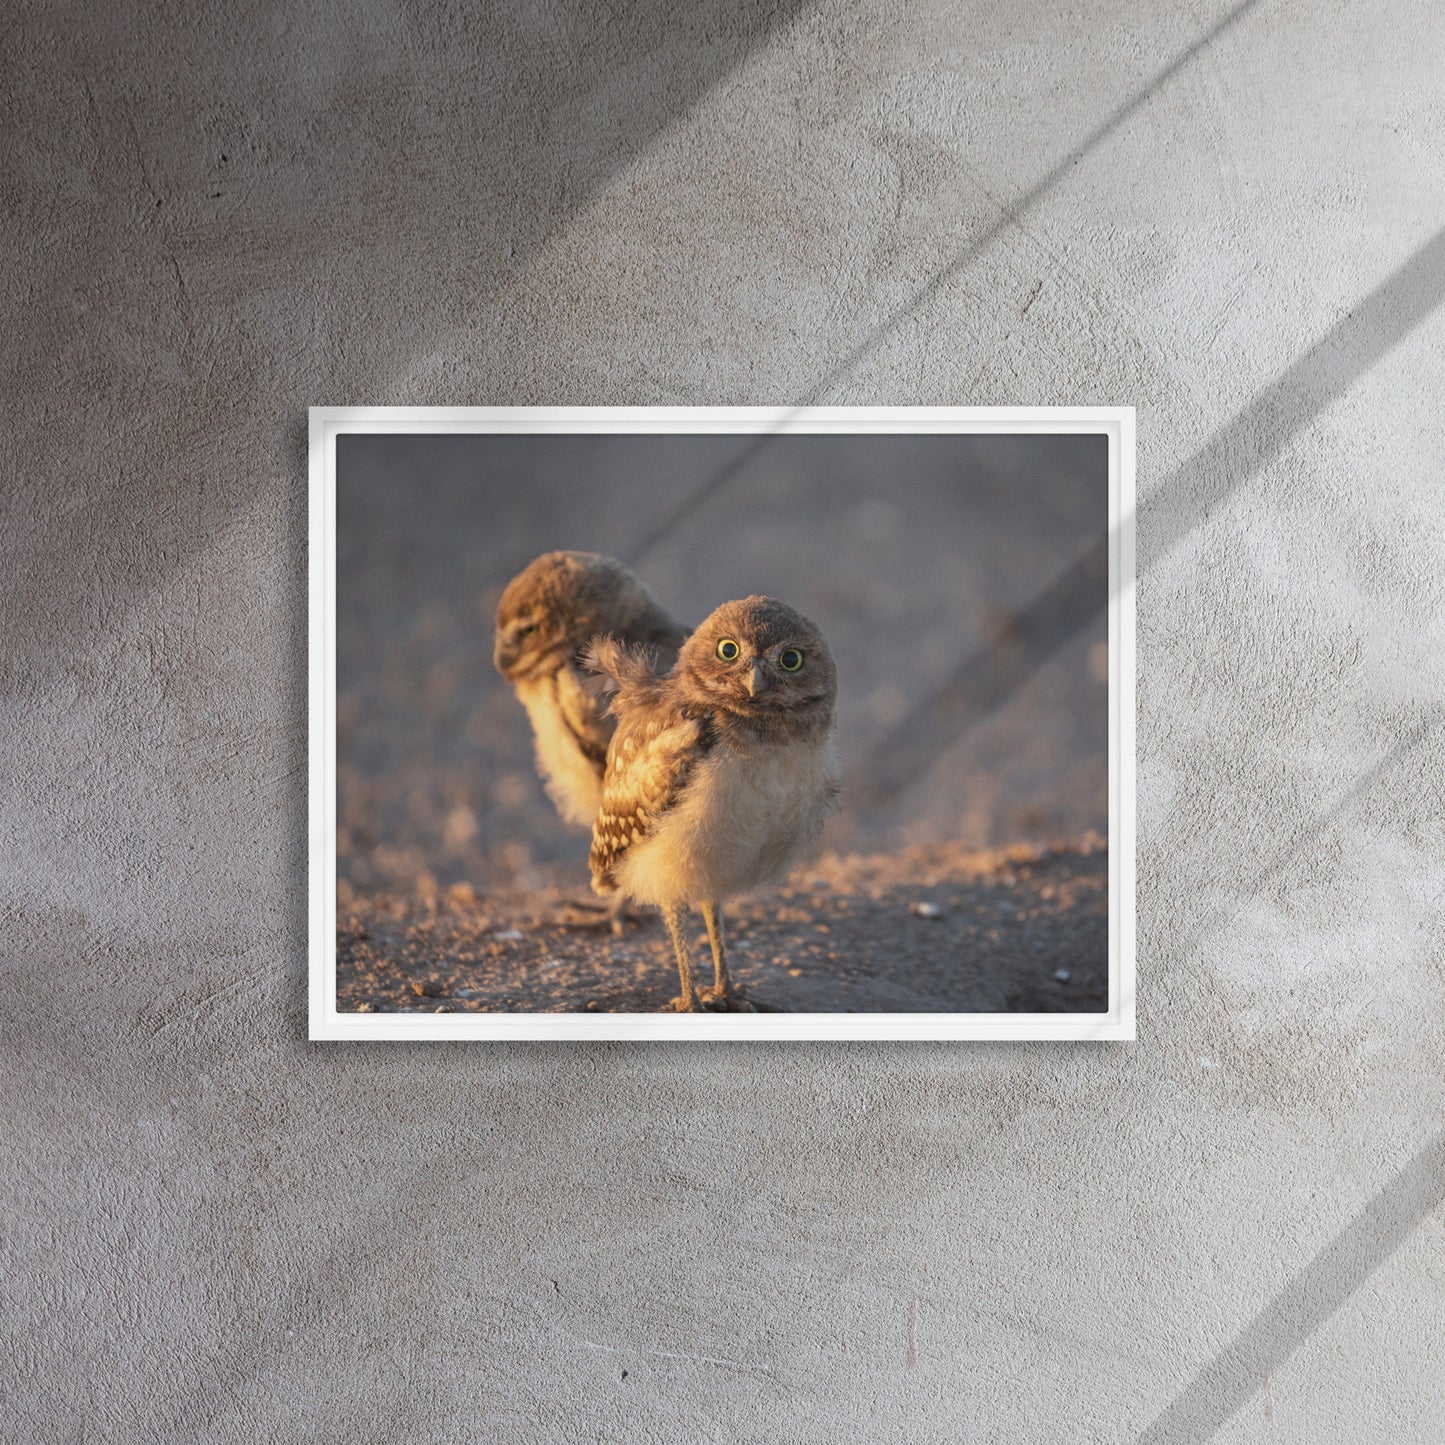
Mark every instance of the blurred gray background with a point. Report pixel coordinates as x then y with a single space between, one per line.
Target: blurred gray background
223 213
915 555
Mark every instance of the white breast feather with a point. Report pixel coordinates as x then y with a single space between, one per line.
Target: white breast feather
743 819
569 775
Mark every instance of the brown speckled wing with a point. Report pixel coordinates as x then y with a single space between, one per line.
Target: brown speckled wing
652 756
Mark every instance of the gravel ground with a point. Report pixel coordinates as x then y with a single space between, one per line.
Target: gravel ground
931 929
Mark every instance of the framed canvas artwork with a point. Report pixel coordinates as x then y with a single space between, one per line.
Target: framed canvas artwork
721 723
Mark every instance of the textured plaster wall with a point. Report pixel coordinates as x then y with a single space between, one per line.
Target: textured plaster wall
218 214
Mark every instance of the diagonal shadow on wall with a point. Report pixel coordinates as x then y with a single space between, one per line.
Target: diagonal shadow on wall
283 211
1007 218
1311 1297
1238 451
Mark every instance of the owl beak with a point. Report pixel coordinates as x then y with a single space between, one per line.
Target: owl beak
757 679
510 658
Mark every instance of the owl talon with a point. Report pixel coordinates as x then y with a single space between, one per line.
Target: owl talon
680 1005
720 1001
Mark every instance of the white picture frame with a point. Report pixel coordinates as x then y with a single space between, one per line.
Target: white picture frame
327 1023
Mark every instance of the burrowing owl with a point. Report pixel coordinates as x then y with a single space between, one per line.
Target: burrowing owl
719 774
548 614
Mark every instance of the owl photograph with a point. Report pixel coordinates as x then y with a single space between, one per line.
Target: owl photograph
785 733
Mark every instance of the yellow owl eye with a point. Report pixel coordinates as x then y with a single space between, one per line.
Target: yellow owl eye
790 660
728 650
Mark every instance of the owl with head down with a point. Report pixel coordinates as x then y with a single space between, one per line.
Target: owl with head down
547 615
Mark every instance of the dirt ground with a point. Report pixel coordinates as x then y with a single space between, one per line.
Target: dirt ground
932 929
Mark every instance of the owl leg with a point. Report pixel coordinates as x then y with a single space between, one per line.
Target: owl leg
672 916
618 915
722 994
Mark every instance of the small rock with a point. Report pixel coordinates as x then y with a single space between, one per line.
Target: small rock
1063 975
593 1005
508 935
924 909
462 895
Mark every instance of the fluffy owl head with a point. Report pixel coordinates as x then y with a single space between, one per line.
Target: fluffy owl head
763 662
553 606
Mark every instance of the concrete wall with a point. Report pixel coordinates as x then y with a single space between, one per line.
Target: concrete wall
221 213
